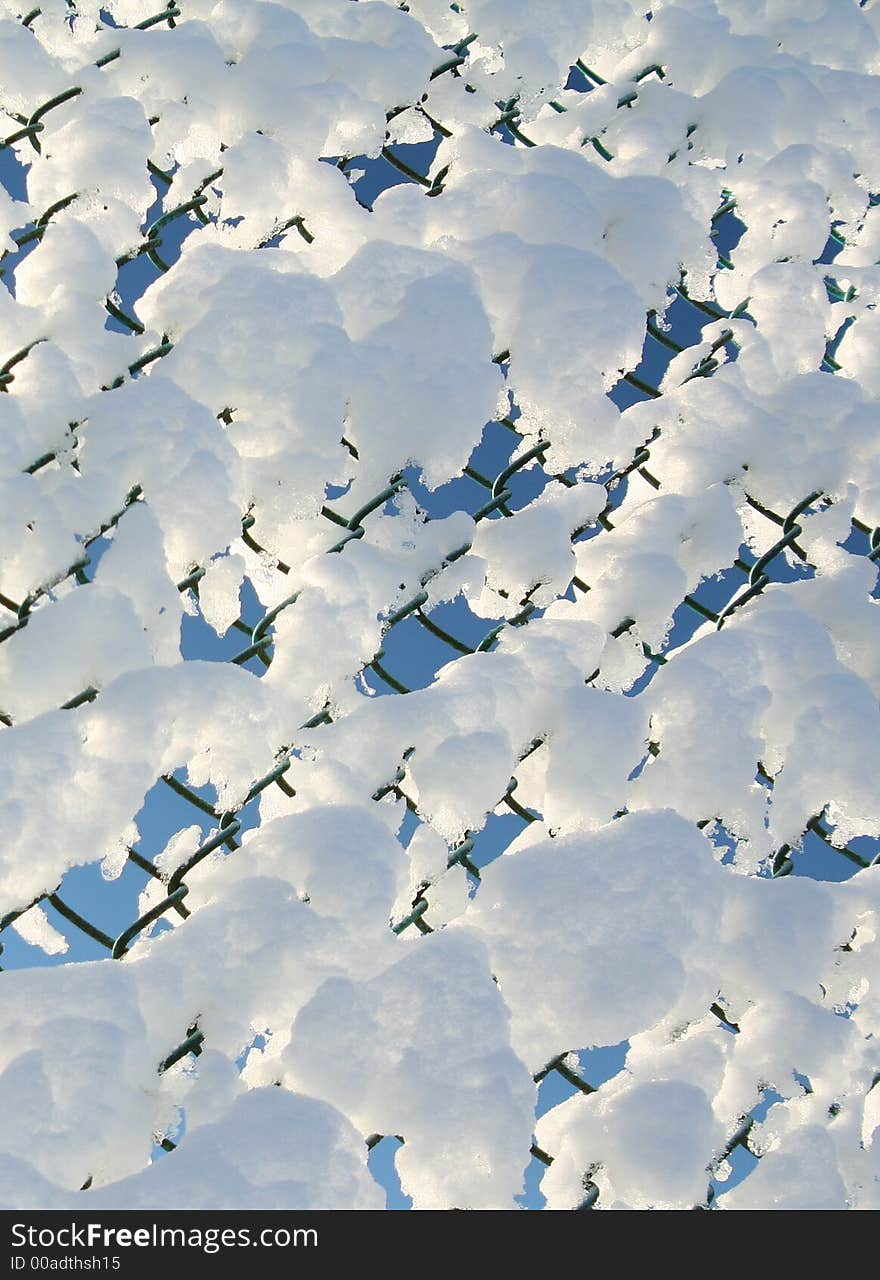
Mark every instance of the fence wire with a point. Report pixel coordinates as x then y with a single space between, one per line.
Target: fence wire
498 497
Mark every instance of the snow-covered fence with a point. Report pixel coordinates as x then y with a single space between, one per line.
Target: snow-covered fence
587 402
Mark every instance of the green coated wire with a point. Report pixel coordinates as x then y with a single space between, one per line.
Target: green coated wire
756 571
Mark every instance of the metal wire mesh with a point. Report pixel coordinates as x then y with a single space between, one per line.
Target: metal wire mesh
488 497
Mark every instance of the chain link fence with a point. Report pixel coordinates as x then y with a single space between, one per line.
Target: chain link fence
776 552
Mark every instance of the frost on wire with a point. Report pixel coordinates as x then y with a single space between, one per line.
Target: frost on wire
586 399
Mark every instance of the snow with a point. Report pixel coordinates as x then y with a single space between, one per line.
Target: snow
443 1076
327 430
577 987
